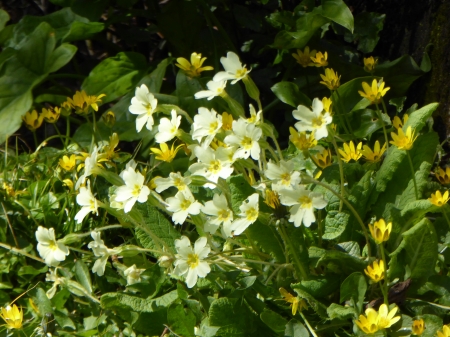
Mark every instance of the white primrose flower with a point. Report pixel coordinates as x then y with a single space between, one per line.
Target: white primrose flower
219 213
87 201
133 190
234 70
206 124
52 276
245 136
114 203
143 104
182 205
255 117
303 203
133 274
282 174
173 180
214 89
90 162
102 252
52 251
190 261
249 214
167 129
314 120
212 165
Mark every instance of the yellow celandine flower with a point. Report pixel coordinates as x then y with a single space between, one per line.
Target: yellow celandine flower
109 119
375 271
369 64
439 199
331 79
164 153
68 163
33 120
398 123
322 159
443 176
302 140
304 58
9 190
272 199
51 115
296 303
81 102
403 141
12 316
368 323
193 68
320 60
417 327
68 183
110 150
375 92
350 152
227 121
386 318
445 332
380 231
327 104
375 155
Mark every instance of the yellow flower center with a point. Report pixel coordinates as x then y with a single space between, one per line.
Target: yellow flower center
185 204
213 127
317 122
247 143
305 201
193 260
286 179
223 215
53 245
251 214
178 183
215 166
149 109
136 190
241 72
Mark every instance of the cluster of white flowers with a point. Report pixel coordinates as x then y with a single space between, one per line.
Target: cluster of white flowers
218 142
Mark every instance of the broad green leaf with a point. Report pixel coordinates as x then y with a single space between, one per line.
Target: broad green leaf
418 250
186 89
115 76
273 320
320 287
156 231
180 320
41 300
418 118
366 121
135 303
433 324
336 311
367 28
20 74
61 56
354 288
4 18
83 276
337 11
288 93
306 26
338 261
295 329
232 316
318 306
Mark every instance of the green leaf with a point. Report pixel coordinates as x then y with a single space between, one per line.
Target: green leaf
318 306
273 320
295 329
336 311
4 18
320 287
115 76
186 89
20 74
267 238
365 122
83 276
232 316
367 28
61 56
433 324
180 320
418 118
41 300
337 11
354 288
288 93
156 231
135 303
418 249
337 261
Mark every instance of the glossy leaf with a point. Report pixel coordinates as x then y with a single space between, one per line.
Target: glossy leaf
288 93
337 11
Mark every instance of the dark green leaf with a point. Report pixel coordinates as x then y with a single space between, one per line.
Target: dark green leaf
288 93
295 329
180 320
135 303
337 11
273 320
354 288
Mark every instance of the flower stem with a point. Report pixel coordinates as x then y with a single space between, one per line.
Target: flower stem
341 171
308 325
386 280
67 131
343 113
300 268
446 217
35 139
413 175
349 205
380 116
